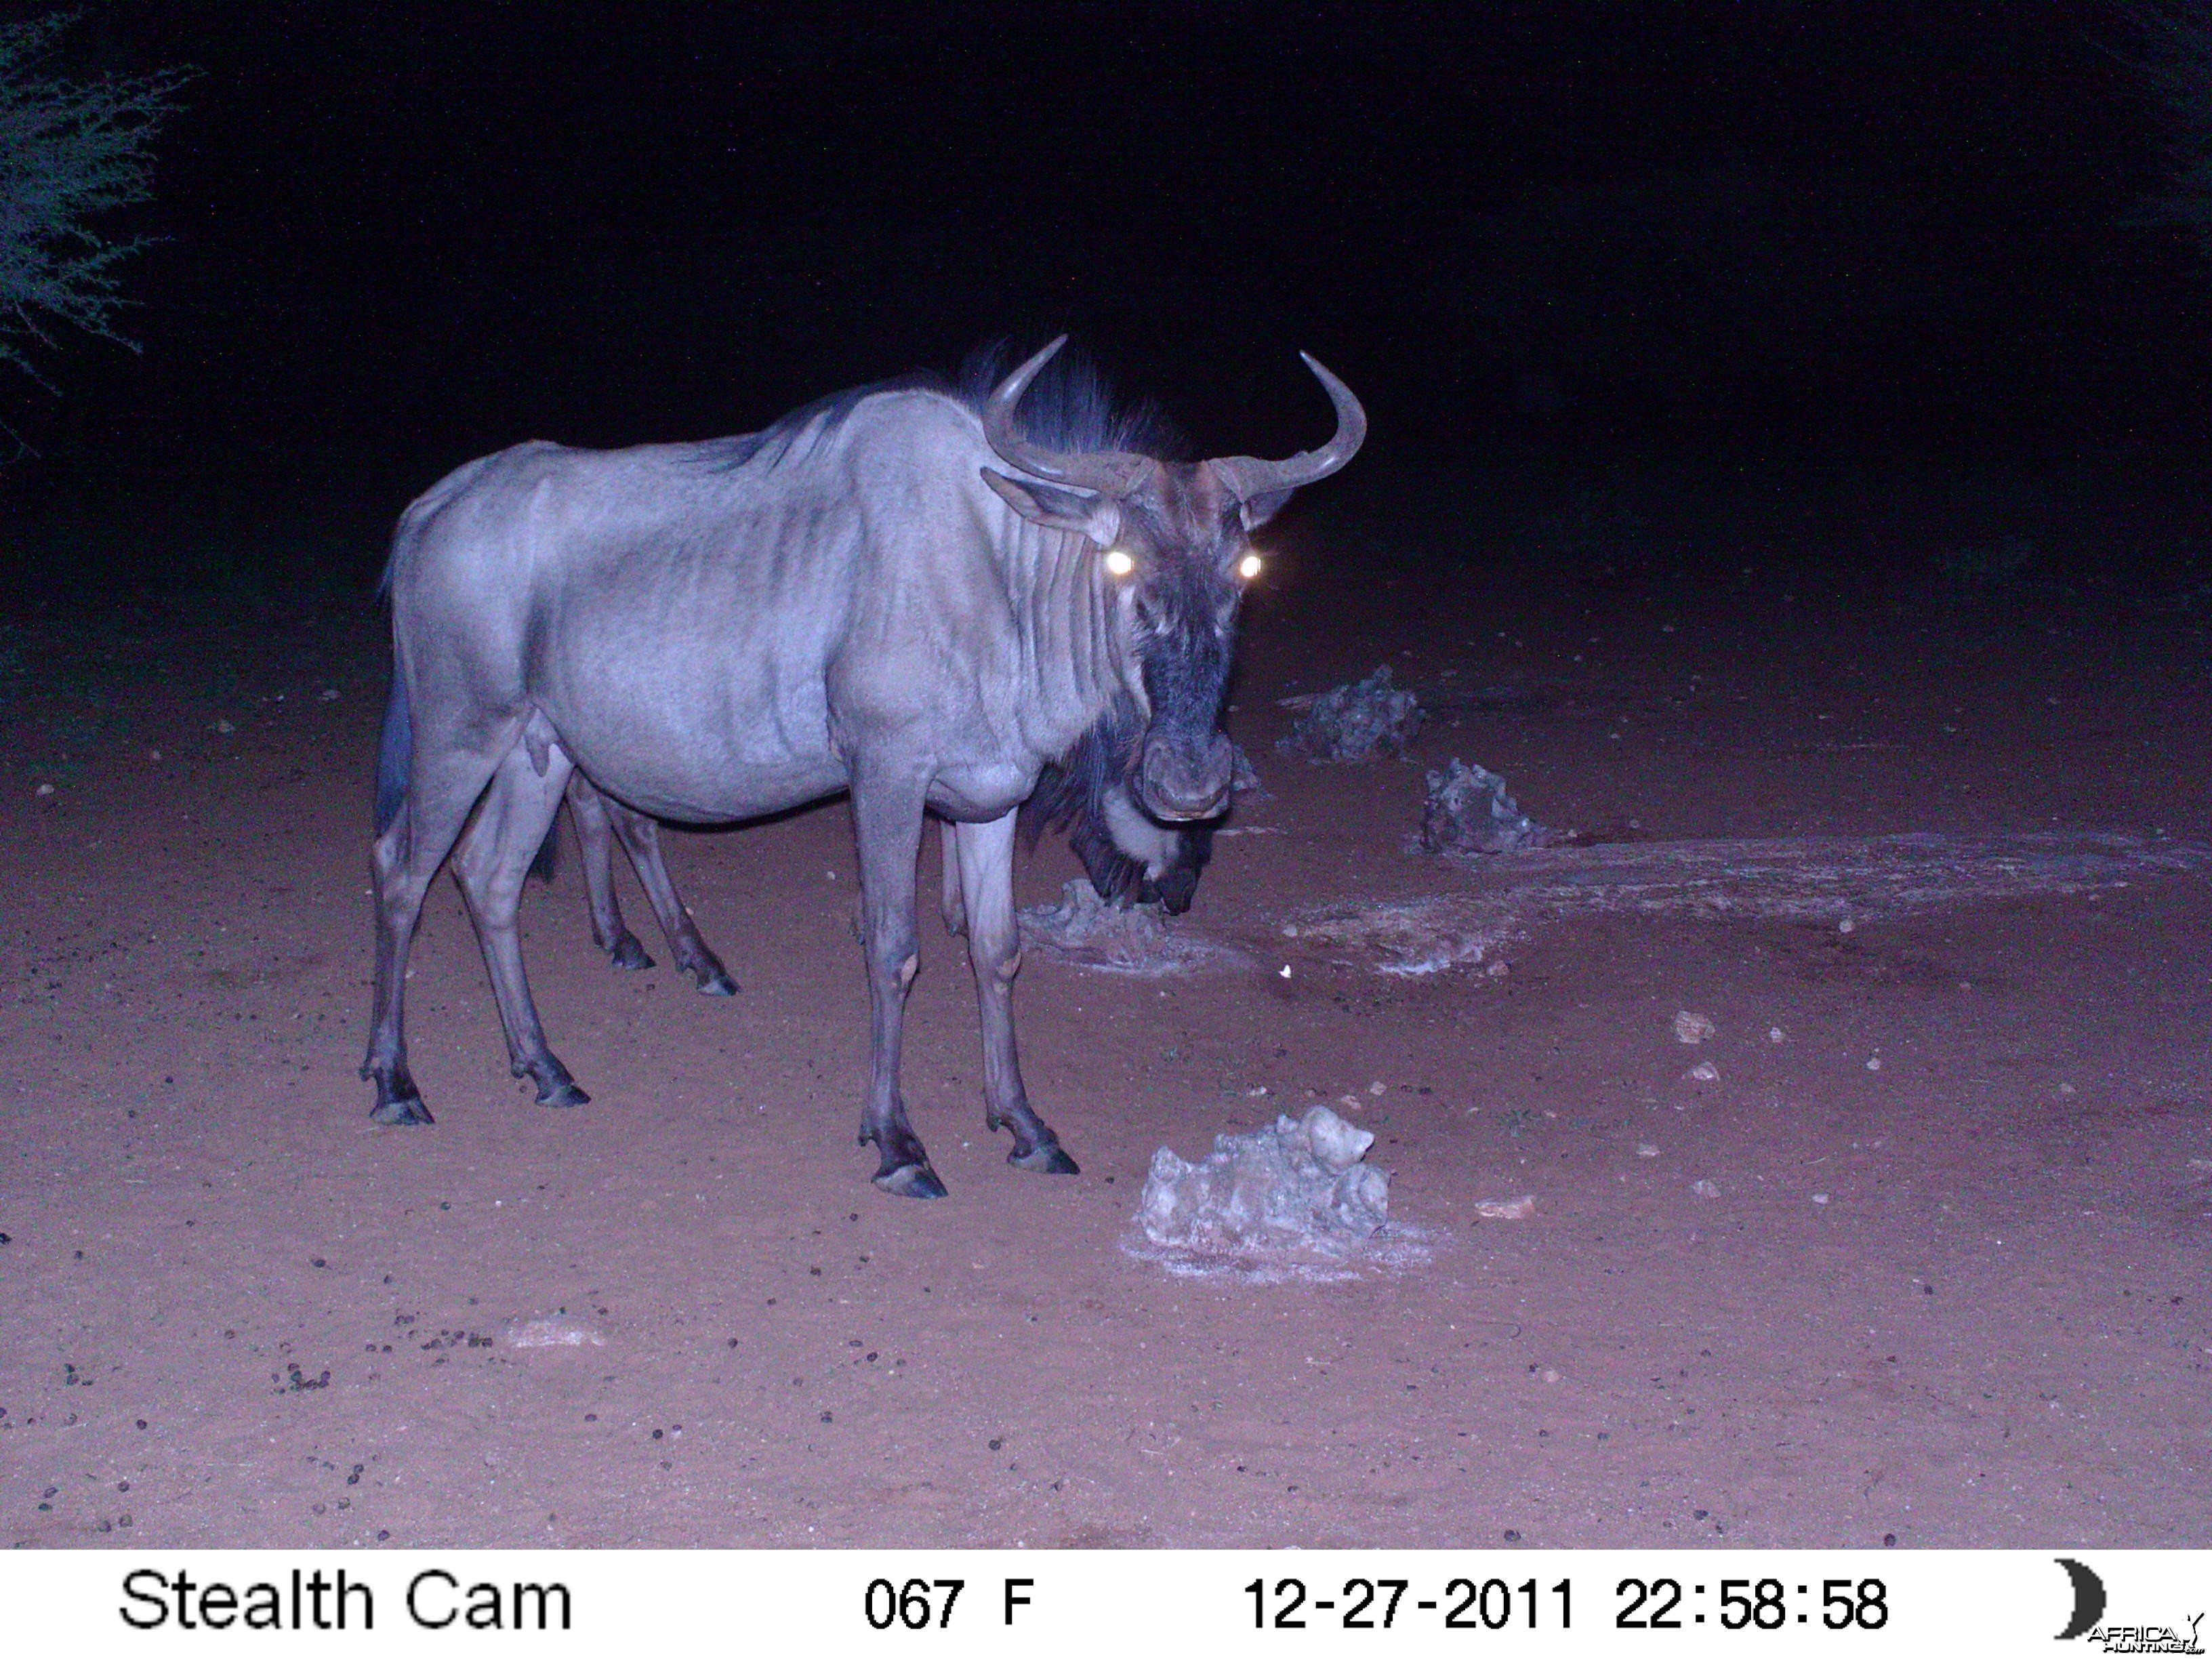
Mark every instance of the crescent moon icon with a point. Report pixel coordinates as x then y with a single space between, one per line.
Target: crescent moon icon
2088 1599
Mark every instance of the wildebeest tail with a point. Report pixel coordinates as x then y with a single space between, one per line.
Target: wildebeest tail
395 753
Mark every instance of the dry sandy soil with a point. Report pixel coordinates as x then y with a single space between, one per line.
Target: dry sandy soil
1946 1286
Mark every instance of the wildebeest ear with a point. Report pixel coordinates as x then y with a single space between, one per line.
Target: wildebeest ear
1264 506
1094 516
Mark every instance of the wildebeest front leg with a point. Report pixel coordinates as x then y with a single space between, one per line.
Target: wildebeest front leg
887 810
994 950
489 863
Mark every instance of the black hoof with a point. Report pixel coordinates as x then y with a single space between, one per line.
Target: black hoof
563 1093
404 1110
911 1180
629 954
718 984
1046 1158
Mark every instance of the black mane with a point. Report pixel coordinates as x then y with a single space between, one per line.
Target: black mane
1075 785
1070 406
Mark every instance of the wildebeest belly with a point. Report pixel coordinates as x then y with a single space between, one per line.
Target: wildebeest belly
698 735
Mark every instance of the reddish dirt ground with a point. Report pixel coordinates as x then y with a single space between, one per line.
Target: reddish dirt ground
237 1313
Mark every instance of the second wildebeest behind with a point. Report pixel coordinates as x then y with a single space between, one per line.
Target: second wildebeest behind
898 592
1130 858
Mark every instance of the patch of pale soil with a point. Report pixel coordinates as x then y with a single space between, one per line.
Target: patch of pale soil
1398 1248
1840 879
1084 930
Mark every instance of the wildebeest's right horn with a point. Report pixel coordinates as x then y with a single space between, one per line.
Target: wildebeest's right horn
1246 477
1110 472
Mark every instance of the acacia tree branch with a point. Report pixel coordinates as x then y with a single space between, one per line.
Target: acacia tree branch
2175 61
69 151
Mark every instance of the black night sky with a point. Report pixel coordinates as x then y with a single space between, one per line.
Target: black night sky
1850 251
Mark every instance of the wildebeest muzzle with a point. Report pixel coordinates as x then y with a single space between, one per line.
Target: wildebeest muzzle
1185 775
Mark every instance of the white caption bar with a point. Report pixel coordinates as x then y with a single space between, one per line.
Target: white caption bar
670 1603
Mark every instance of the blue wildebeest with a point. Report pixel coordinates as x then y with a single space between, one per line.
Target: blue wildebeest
600 821
1130 860
855 599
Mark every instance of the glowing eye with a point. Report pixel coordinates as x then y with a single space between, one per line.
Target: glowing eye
1119 563
1250 566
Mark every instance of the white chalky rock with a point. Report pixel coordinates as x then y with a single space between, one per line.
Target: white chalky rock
1335 1143
1694 1028
1301 1182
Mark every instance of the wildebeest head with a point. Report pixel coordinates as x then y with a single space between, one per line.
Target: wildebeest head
1175 540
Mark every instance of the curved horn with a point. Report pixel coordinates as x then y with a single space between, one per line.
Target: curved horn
1110 472
1245 476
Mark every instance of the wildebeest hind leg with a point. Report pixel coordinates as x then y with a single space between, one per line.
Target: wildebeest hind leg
640 839
489 863
588 809
887 807
994 950
446 779
952 904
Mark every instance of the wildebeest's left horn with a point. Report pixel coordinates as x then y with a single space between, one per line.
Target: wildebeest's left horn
1110 472
1246 477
